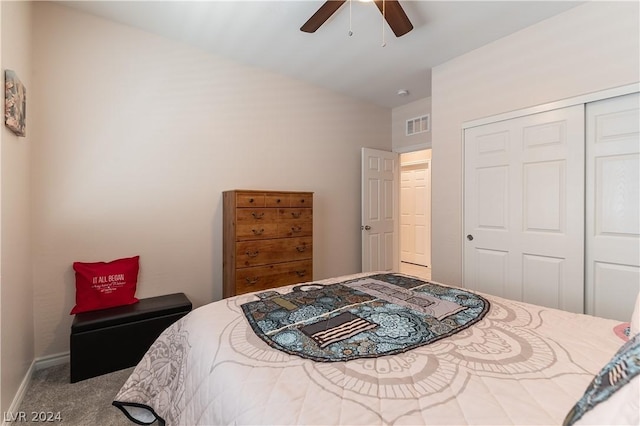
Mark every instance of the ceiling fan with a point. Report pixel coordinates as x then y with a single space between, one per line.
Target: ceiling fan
393 13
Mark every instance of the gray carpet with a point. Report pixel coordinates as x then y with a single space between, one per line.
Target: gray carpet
87 402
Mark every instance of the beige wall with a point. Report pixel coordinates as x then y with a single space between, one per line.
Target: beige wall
16 289
591 47
401 142
138 136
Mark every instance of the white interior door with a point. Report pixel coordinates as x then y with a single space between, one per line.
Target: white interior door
380 176
415 213
524 208
612 207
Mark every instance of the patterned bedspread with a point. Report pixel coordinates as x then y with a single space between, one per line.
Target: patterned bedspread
519 364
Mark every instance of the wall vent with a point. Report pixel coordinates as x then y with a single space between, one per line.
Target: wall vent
418 125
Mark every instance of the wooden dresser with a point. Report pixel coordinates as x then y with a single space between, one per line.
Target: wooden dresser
267 240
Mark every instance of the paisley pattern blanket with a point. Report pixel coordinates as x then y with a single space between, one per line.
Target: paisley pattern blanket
384 314
520 364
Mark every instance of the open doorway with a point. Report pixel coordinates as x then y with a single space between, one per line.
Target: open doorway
415 213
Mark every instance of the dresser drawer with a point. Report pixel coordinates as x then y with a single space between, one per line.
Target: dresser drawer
277 200
249 200
295 214
298 228
257 231
302 200
256 215
266 230
264 277
255 253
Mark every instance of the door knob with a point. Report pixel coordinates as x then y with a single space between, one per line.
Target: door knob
470 237
366 227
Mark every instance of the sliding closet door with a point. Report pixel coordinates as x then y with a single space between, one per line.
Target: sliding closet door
612 207
524 208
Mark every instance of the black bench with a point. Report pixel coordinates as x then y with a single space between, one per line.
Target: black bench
112 339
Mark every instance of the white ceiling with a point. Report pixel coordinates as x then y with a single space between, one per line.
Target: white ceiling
266 34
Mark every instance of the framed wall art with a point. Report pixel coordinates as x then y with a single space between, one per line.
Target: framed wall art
15 103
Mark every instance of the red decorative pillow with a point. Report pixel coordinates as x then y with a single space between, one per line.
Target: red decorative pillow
102 285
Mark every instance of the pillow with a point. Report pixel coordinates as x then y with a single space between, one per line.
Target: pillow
622 330
102 285
613 397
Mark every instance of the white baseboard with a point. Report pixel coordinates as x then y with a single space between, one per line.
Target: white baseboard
36 364
17 399
51 360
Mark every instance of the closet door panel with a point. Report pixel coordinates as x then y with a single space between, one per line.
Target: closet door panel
543 279
544 197
613 206
492 272
615 284
492 201
616 182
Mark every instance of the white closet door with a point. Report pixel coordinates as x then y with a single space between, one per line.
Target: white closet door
524 208
415 214
612 207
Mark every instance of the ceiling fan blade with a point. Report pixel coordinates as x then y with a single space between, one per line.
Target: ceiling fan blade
321 15
395 16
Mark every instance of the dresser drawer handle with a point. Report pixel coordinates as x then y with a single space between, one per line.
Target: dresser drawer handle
251 281
257 231
301 248
251 200
296 229
252 253
296 214
257 215
301 273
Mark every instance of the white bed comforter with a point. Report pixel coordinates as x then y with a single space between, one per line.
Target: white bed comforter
521 364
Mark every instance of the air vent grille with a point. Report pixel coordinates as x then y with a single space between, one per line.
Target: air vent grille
418 125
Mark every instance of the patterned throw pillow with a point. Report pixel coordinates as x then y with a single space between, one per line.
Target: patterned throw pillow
613 397
102 285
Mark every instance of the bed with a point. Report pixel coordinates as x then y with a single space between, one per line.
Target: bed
511 363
